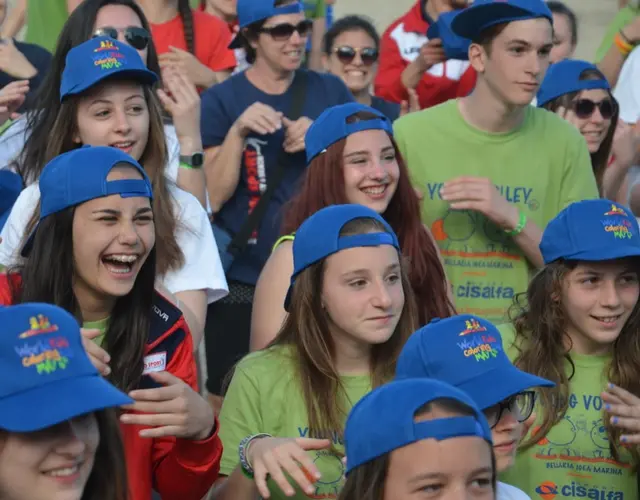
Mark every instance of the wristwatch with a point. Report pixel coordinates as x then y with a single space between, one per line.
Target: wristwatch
196 160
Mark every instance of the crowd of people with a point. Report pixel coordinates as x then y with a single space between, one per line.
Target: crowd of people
248 250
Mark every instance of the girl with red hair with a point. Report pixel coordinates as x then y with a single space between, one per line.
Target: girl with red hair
352 158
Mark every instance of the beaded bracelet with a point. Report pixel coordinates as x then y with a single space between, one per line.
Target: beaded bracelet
623 45
522 222
242 452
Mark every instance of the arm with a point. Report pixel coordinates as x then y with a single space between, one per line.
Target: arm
222 169
15 20
317 34
614 58
268 312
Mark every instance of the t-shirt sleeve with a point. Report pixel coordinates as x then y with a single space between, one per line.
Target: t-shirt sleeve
623 17
627 91
221 58
578 182
215 121
15 228
240 416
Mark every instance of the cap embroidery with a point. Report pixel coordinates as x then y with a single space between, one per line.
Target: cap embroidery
38 325
47 356
472 326
481 347
621 228
108 56
106 45
616 211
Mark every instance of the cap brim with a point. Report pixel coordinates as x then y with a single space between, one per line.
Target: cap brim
473 20
495 386
49 404
143 76
598 255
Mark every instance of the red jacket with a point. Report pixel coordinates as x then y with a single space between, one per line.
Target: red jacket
400 45
178 469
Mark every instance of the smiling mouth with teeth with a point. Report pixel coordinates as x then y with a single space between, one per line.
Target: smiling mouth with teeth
607 319
374 190
119 264
68 471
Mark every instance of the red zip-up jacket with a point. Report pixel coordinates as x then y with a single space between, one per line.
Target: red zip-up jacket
178 469
399 46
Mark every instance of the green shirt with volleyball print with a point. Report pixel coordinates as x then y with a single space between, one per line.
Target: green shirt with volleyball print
541 167
573 460
265 397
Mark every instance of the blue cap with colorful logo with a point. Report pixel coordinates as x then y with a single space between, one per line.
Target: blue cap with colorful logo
455 47
564 77
252 11
483 14
465 351
99 58
47 377
319 237
591 230
333 125
80 175
385 419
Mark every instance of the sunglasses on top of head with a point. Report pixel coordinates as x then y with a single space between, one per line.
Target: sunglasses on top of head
346 54
584 108
284 31
137 37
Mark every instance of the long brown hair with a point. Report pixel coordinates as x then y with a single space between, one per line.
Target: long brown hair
61 140
368 481
599 159
306 330
540 322
323 185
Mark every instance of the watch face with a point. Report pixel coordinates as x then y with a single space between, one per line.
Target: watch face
197 159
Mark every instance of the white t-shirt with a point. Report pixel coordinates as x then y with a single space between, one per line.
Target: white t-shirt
202 269
627 91
508 492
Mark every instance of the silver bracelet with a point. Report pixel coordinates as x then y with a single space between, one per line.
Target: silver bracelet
242 451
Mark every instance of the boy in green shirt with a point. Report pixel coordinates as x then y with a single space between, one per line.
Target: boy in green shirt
494 169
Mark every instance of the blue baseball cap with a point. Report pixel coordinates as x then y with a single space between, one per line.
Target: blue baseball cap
10 188
252 11
564 77
99 58
384 419
483 14
80 175
47 377
455 47
319 236
465 351
591 230
332 126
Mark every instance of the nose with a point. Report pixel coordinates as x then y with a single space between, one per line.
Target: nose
296 39
507 422
128 234
609 296
596 116
382 297
69 440
122 122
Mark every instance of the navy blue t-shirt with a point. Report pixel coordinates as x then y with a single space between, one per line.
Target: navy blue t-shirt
222 105
389 109
40 59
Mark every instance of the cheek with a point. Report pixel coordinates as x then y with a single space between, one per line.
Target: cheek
629 295
148 236
393 170
352 178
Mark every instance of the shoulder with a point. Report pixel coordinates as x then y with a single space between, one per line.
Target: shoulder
427 117
185 203
31 49
168 330
268 364
550 124
325 80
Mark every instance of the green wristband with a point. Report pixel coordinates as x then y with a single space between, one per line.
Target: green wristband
188 167
522 222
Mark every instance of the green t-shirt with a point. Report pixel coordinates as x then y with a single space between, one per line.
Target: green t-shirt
623 17
264 396
101 325
573 460
315 9
542 167
45 19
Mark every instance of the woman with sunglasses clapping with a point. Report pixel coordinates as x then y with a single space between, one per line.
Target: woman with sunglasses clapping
578 92
466 352
351 50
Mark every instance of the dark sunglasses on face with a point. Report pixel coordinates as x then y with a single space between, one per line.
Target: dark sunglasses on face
137 37
584 108
284 31
520 406
346 54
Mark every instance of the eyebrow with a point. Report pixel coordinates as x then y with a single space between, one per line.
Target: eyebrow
108 101
435 475
392 267
110 211
366 152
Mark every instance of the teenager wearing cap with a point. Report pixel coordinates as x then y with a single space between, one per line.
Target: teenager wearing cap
577 326
190 41
466 351
565 31
488 184
352 158
580 94
70 447
97 228
418 438
410 60
350 311
253 128
103 102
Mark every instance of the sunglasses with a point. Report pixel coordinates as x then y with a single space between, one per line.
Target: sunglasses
520 406
346 54
137 37
284 31
584 108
